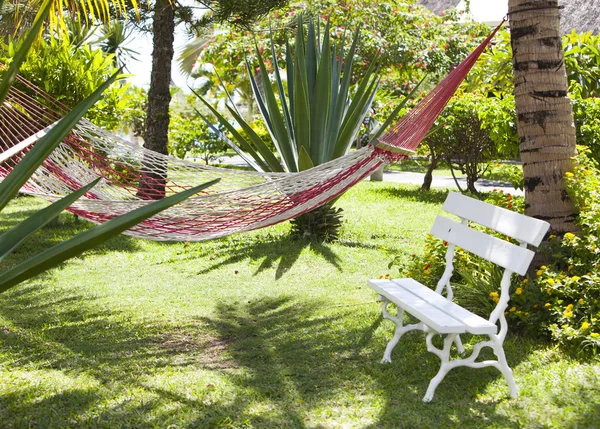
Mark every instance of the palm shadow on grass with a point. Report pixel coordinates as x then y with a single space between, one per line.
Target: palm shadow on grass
283 251
291 359
296 354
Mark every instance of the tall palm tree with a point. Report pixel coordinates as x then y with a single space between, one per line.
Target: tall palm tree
544 112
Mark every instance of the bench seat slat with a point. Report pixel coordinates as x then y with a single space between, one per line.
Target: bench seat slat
422 310
475 324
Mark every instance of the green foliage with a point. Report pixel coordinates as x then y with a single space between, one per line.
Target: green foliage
322 224
587 112
582 61
27 166
409 41
562 299
70 73
189 134
473 130
568 290
316 118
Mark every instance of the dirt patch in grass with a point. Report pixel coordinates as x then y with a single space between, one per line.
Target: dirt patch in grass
211 352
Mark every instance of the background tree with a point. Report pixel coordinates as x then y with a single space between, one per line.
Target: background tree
544 112
152 182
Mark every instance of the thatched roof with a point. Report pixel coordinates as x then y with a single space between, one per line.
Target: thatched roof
581 15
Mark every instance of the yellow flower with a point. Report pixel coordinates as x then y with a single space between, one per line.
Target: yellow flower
571 267
568 314
564 326
426 272
569 174
496 299
539 272
570 307
581 301
547 305
524 280
549 291
552 236
512 309
519 291
543 267
584 326
493 294
569 235
551 282
575 278
594 335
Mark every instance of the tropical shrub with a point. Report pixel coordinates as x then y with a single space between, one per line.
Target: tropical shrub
586 112
410 41
71 72
27 166
467 134
560 300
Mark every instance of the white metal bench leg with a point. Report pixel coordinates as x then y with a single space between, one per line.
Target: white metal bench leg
459 346
503 366
444 356
400 328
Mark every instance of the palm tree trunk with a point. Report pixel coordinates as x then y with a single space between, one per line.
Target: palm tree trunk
544 113
154 176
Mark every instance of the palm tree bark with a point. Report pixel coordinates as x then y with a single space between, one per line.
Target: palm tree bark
154 176
544 112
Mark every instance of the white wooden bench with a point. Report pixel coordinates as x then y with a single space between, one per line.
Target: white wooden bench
437 313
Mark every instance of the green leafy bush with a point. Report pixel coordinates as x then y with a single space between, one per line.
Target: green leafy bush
71 72
569 289
586 112
562 299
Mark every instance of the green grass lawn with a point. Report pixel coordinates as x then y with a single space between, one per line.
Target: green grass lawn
255 330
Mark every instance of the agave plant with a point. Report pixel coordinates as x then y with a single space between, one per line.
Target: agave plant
9 187
312 115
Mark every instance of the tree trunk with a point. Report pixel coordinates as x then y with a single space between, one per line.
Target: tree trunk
428 178
154 175
544 113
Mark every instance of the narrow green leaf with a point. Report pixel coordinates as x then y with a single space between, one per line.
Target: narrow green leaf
21 54
15 236
284 105
302 123
236 135
322 97
255 139
289 69
304 161
40 151
259 99
353 119
285 146
91 238
311 55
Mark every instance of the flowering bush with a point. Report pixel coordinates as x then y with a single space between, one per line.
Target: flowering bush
561 300
570 287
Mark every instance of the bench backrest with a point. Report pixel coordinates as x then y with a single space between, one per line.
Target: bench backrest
511 257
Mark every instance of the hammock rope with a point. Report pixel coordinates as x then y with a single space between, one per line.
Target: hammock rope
241 201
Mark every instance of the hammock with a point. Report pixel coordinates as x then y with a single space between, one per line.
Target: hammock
241 201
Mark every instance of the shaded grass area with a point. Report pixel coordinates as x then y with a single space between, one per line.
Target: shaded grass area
255 330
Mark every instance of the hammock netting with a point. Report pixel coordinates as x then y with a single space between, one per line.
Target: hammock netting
241 201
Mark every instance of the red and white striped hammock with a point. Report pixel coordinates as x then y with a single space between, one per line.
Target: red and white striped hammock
241 201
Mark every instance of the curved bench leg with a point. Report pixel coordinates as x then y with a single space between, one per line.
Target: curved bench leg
400 328
444 356
503 366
